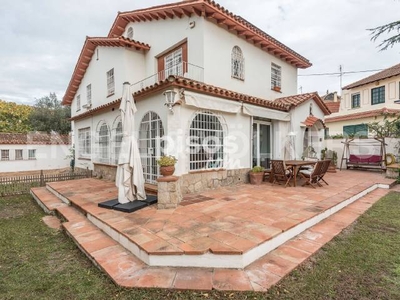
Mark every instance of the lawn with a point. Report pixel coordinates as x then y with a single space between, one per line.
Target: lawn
37 262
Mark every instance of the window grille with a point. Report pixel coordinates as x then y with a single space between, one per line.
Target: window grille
78 103
276 72
355 100
110 82
19 154
85 143
32 154
129 33
118 134
173 63
237 63
89 94
5 154
103 144
378 95
150 145
206 142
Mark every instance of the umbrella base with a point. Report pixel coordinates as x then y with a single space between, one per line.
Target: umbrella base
130 206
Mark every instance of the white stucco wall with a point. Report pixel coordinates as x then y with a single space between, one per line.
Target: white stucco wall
218 44
47 157
392 93
128 66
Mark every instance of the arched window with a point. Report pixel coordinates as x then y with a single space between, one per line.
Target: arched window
129 33
206 141
237 61
117 139
103 143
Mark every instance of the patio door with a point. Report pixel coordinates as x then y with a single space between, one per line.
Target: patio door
262 144
150 145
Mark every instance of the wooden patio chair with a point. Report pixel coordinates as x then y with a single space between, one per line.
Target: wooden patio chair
311 176
324 169
280 172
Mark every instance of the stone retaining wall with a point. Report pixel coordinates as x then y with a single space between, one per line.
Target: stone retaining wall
104 171
207 180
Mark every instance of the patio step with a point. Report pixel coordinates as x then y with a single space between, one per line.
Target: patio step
46 200
128 271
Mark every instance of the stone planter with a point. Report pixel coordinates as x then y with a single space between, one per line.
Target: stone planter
167 171
256 178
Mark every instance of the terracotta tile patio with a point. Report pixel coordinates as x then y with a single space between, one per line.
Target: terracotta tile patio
227 221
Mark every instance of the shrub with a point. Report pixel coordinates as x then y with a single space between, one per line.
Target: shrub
257 169
166 161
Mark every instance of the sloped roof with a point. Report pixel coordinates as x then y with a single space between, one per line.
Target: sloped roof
34 138
86 56
361 115
389 72
200 87
211 10
311 120
333 106
296 100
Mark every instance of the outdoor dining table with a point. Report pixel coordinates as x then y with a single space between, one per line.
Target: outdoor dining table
296 164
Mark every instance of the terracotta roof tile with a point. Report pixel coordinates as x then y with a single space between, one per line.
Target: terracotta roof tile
86 56
311 120
296 100
211 10
389 72
96 110
34 138
361 115
333 106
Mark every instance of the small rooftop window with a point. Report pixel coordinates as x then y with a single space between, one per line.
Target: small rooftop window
129 33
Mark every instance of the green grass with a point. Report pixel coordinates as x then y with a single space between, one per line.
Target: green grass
37 262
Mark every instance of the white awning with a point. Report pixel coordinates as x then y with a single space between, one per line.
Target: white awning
262 112
212 103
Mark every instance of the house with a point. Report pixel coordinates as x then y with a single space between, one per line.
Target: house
365 101
33 151
231 90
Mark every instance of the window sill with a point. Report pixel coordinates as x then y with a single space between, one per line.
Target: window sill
104 164
206 171
238 78
84 158
278 91
109 95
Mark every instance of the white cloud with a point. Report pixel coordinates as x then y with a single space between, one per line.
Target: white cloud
43 38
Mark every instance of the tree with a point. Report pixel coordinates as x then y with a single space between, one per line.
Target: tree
14 117
49 115
386 29
389 127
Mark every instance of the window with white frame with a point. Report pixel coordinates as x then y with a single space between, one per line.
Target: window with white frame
19 154
89 94
129 33
206 141
5 154
78 103
103 143
84 143
237 63
110 82
276 73
117 139
32 154
173 63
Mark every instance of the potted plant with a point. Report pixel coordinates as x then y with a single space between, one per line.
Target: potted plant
167 165
256 175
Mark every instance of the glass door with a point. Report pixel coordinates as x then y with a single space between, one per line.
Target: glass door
262 144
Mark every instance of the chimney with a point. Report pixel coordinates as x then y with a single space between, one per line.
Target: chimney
335 99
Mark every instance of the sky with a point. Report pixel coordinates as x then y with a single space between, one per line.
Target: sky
41 39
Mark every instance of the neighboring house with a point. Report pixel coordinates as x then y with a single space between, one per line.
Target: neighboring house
332 101
33 151
231 82
365 101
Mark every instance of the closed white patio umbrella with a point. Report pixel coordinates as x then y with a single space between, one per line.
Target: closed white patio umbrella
129 177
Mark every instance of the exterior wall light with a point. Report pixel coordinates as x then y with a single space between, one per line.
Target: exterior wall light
169 99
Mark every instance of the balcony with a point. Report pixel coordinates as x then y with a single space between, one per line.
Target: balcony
183 69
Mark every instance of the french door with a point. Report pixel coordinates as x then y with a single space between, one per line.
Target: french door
150 145
262 144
